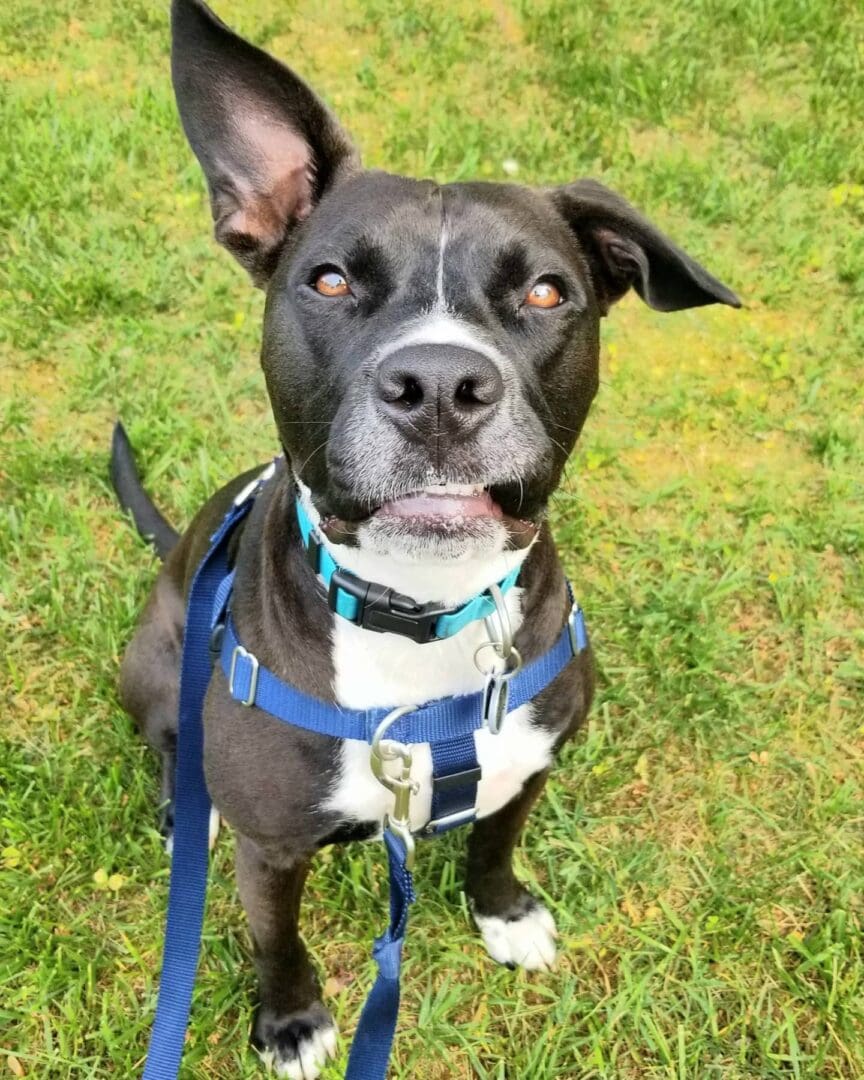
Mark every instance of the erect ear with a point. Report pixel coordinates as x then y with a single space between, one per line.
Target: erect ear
268 146
624 249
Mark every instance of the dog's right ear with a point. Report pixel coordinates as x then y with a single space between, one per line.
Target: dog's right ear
268 146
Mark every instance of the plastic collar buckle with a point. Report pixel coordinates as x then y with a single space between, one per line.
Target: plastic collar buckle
385 611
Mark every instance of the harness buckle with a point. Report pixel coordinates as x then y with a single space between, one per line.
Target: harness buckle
384 610
240 652
398 821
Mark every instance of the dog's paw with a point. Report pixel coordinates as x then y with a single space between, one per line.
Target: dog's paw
297 1046
525 940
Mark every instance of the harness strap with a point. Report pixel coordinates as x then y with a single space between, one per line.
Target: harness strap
455 774
250 683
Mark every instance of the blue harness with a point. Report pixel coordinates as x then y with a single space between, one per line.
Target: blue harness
447 724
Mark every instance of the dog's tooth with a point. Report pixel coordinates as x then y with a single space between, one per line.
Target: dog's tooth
462 490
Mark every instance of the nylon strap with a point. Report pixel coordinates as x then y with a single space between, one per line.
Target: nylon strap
188 885
455 773
370 1050
437 721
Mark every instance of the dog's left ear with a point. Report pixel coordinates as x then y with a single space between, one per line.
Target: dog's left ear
624 250
268 146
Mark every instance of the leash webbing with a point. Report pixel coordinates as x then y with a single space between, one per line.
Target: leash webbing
190 854
370 1050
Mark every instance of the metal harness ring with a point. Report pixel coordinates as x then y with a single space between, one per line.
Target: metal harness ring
402 786
513 656
498 623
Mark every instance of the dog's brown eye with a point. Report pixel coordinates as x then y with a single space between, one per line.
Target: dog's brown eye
544 294
332 283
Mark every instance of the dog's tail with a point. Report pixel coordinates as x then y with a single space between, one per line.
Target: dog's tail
134 499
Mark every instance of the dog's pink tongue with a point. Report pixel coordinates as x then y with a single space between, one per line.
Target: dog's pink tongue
425 504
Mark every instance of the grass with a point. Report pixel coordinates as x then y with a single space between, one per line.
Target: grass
700 843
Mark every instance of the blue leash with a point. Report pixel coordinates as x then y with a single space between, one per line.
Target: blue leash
190 855
449 722
373 1038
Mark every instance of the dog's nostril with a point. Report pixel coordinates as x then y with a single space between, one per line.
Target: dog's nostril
412 392
478 390
466 392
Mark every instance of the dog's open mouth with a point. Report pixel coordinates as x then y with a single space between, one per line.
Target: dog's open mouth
461 517
443 506
460 514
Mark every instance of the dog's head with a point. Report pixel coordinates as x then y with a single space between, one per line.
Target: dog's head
431 351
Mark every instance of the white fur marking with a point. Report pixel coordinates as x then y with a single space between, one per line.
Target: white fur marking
212 832
439 328
442 302
379 670
385 670
528 942
312 1056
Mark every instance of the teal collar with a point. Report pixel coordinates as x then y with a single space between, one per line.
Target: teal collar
375 607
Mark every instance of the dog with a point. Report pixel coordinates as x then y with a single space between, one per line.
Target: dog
430 354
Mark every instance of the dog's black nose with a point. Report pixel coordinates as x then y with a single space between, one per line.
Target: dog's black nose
433 390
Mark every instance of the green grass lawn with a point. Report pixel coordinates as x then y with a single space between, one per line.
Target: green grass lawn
701 842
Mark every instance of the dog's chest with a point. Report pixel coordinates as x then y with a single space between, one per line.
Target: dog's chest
383 670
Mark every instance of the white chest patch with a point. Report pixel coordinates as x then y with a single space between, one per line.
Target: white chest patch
380 670
385 671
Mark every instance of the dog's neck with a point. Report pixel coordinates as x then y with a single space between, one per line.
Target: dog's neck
451 582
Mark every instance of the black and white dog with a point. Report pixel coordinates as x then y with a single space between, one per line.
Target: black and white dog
430 353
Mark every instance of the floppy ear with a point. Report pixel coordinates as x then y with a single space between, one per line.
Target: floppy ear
268 146
624 249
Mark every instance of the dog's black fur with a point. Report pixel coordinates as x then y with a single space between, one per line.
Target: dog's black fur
361 426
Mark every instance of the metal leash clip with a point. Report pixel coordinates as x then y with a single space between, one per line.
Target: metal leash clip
496 694
402 786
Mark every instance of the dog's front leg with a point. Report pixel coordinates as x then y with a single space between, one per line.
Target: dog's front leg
293 1031
517 929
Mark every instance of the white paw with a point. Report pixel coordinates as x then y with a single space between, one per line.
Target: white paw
527 942
302 1055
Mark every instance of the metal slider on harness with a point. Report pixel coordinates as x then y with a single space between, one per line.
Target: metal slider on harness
383 610
496 693
496 699
239 659
577 629
449 821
